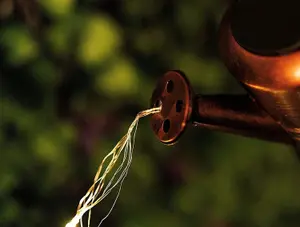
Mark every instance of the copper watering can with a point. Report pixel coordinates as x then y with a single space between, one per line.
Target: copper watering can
259 42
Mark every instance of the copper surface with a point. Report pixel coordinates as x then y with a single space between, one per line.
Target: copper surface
174 93
237 114
273 81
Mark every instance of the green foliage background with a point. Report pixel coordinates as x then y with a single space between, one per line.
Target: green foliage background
73 76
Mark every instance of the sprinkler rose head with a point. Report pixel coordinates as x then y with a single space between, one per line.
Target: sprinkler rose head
174 94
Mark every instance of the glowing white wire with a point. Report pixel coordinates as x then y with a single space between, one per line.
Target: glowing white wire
97 192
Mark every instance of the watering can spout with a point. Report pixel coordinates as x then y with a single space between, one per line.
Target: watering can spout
237 114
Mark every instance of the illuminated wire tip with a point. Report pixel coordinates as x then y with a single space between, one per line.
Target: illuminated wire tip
73 222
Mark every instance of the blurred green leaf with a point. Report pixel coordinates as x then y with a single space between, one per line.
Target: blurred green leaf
120 80
201 71
20 45
149 41
57 8
100 39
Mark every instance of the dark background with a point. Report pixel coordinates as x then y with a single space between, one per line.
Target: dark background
73 76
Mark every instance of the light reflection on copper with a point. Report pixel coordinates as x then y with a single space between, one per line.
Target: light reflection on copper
272 81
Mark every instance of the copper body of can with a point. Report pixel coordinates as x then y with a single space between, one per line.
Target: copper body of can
268 67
